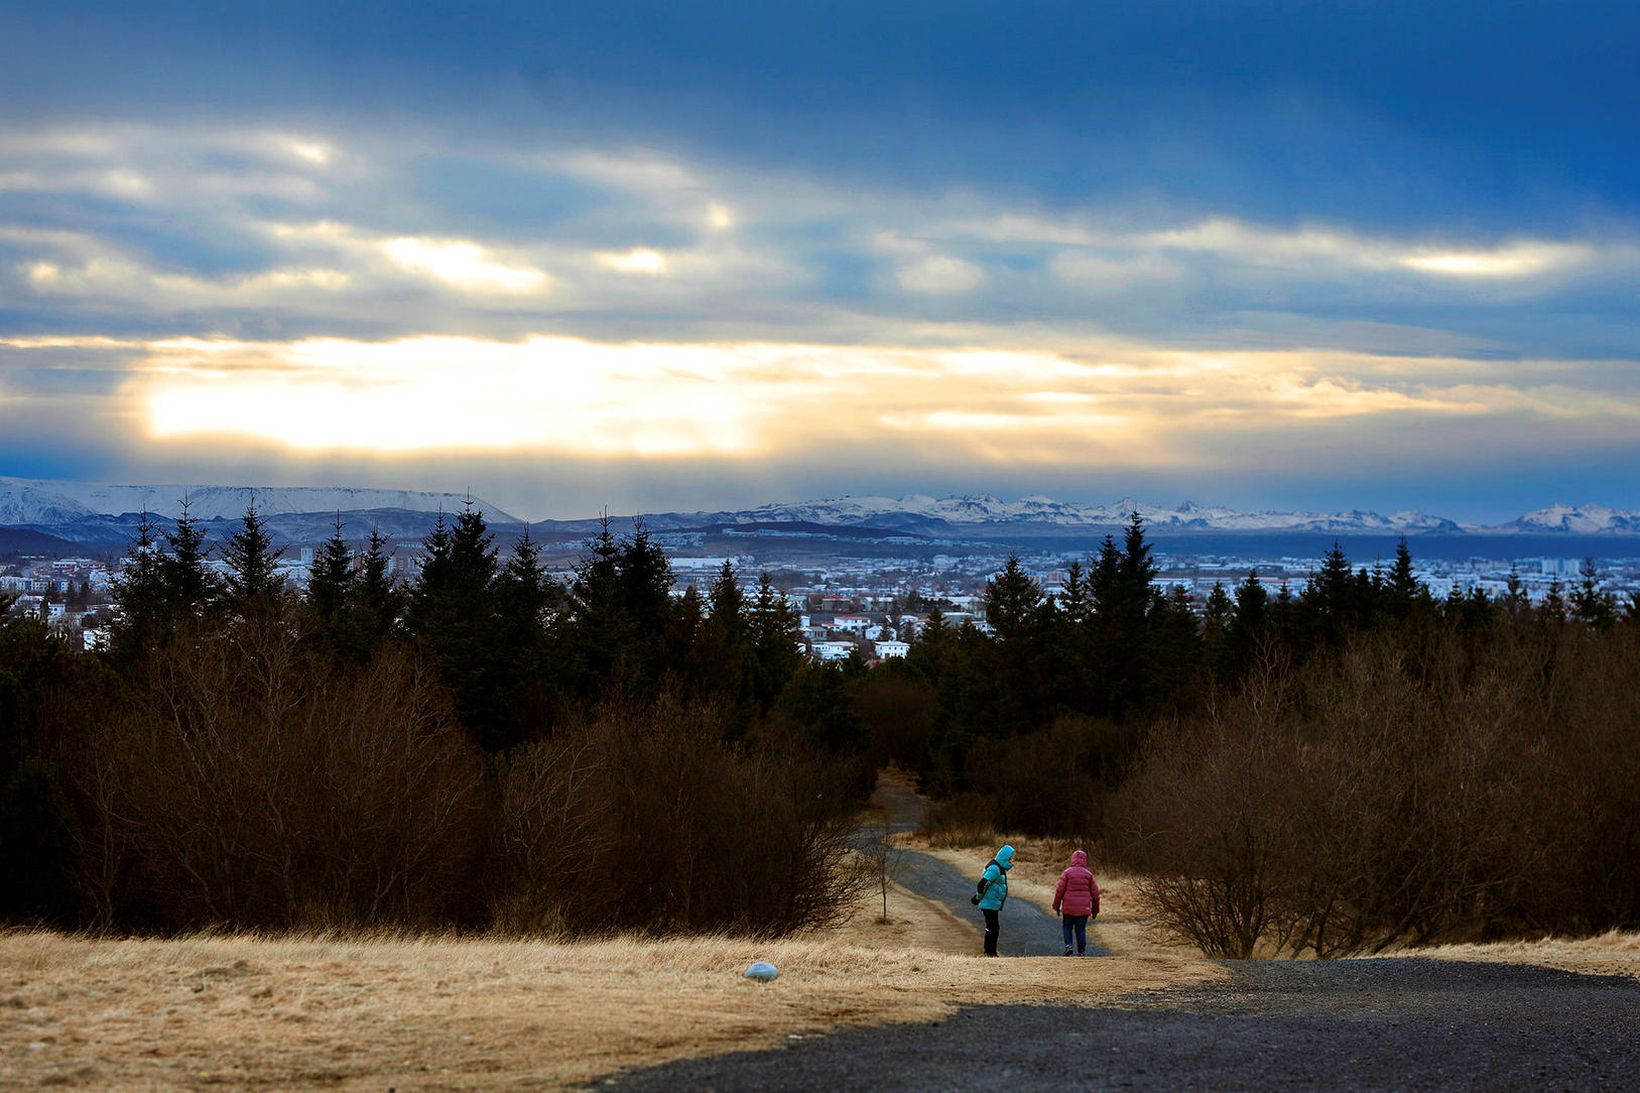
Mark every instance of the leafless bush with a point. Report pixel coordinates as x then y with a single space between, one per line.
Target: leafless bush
242 788
644 819
881 860
1399 793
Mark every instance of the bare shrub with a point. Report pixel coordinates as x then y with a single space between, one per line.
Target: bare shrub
881 861
1398 792
645 819
243 788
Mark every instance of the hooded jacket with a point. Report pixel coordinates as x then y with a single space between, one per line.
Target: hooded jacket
1077 892
993 883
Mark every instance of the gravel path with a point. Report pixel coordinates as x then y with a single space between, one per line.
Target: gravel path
1350 1024
1027 930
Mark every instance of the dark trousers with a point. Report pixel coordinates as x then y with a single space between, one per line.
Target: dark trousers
1077 924
993 928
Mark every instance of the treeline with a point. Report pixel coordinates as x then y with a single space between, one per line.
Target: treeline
1330 770
1046 715
479 747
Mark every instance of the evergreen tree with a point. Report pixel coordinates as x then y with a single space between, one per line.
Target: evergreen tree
774 639
1591 605
375 601
524 598
1138 570
1515 600
683 650
473 559
254 587
597 631
141 596
1174 650
1248 633
725 637
1216 619
1402 589
644 576
329 585
1013 603
190 589
1553 607
1077 600
452 617
331 579
1329 600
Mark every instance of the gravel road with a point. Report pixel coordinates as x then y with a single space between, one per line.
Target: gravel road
1349 1024
1027 930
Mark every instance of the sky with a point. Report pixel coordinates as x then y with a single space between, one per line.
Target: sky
673 256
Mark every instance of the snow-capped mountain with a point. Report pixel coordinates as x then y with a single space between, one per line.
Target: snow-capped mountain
993 511
1577 520
27 501
79 509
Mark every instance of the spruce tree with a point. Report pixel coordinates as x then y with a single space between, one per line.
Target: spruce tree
254 587
524 597
644 577
141 596
375 600
1515 600
434 578
190 589
1249 629
1403 589
597 632
1013 603
452 617
774 638
1553 607
1216 618
331 578
1328 604
1076 601
1590 605
725 637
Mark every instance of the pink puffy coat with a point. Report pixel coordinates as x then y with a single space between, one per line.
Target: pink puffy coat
1078 892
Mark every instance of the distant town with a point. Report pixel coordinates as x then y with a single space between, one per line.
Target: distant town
867 607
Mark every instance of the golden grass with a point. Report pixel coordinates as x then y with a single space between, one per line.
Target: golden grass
1611 953
467 1013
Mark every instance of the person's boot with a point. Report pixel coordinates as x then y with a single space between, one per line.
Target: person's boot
1067 950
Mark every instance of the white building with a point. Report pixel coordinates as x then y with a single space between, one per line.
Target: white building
892 649
832 650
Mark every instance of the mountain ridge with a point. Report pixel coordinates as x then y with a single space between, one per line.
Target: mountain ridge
49 505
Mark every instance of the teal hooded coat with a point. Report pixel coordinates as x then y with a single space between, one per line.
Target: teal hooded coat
993 883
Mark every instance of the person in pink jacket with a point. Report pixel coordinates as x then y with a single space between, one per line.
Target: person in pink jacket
1075 900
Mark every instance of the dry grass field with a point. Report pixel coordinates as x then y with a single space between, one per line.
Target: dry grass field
1608 954
420 1013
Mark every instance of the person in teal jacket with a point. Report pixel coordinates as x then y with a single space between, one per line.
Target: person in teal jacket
991 893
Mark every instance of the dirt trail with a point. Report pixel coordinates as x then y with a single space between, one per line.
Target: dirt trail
1027 930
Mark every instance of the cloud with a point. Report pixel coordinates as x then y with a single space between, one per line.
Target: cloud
575 397
641 260
285 291
463 265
